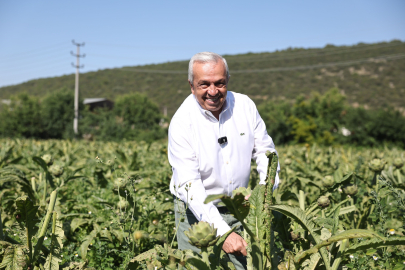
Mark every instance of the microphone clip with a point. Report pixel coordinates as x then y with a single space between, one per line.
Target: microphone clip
222 140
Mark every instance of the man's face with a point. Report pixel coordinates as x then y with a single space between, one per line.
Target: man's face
210 85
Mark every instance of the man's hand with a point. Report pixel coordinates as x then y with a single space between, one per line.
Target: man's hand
235 244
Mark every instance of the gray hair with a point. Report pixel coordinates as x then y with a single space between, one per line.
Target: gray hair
205 57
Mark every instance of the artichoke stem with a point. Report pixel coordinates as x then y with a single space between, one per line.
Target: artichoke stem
323 213
399 177
204 253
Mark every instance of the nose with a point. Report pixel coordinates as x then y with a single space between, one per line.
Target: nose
212 90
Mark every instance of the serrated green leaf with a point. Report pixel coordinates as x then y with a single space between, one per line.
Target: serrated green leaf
87 241
254 219
371 251
350 234
77 222
53 259
106 234
348 209
198 263
41 163
27 211
301 218
312 262
376 243
13 258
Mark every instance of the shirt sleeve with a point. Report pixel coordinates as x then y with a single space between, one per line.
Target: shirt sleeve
263 143
188 185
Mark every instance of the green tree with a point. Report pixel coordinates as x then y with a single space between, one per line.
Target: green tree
136 109
57 110
21 118
275 114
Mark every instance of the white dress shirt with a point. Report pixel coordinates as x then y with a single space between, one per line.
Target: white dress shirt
198 159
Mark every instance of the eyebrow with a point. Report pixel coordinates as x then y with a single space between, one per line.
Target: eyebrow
218 81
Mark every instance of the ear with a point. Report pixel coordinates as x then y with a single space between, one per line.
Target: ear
191 87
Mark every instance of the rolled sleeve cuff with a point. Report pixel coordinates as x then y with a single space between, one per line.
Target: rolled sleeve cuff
222 227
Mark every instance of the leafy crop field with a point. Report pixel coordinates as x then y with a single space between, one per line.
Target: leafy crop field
104 205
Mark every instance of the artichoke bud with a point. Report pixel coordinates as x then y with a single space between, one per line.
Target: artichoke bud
48 159
398 163
377 165
138 235
56 170
120 183
350 190
294 236
202 234
287 161
282 266
110 162
323 201
122 204
328 181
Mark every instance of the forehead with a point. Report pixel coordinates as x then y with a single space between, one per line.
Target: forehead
209 70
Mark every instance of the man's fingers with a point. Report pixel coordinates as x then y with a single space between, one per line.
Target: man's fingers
244 243
235 244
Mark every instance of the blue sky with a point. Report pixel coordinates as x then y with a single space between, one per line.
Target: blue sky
35 36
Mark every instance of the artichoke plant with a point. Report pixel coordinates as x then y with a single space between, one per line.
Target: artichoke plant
323 201
350 190
398 163
123 204
120 183
56 170
202 234
377 165
48 159
328 181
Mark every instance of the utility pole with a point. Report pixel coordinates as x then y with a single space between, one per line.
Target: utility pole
77 66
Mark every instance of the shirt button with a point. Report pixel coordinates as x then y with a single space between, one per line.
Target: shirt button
227 162
230 182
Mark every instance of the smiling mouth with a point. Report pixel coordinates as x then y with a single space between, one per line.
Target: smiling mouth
212 100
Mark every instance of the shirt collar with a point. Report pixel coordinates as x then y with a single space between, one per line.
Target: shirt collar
205 112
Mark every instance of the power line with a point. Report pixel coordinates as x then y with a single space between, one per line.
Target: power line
39 55
57 45
28 65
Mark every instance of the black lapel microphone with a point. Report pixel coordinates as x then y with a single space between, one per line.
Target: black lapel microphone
222 140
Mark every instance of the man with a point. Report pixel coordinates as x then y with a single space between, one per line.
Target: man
212 138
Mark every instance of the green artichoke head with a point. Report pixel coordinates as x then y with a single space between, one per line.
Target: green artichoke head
287 161
398 163
350 190
202 234
48 159
328 181
295 236
243 190
122 203
120 183
377 165
323 201
56 170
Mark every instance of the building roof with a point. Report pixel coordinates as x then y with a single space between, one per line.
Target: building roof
93 100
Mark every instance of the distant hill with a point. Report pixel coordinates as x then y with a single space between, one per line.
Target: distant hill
368 74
